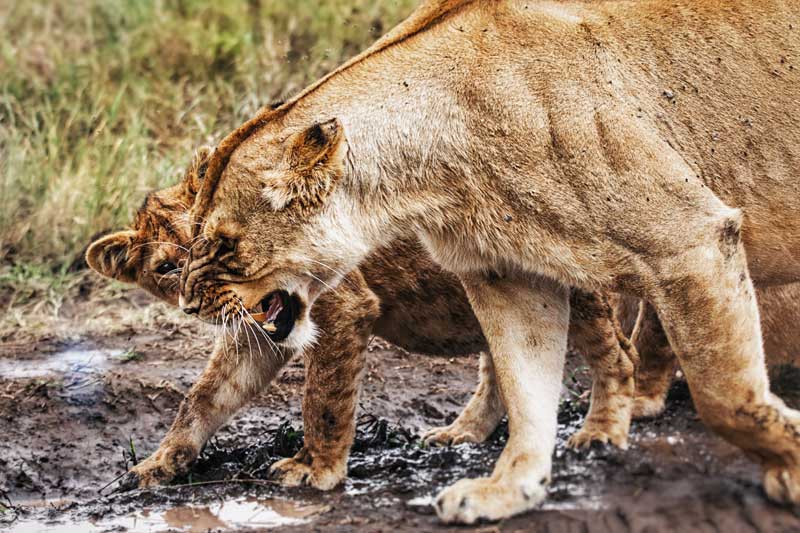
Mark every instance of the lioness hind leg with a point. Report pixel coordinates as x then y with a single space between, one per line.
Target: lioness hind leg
707 305
238 369
481 415
333 377
596 334
656 368
525 321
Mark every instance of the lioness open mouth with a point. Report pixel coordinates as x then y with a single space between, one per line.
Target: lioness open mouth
276 313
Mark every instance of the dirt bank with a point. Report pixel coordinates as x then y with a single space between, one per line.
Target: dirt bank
75 413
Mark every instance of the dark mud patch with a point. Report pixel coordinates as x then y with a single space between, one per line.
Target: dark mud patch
57 453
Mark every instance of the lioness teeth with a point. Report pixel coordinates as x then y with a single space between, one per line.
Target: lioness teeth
270 327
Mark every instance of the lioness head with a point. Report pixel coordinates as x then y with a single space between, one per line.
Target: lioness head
154 250
272 236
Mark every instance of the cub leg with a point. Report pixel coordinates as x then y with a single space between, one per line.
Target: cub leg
595 333
657 367
707 305
481 415
334 366
239 369
525 320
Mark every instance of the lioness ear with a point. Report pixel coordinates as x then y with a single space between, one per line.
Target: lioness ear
316 157
111 256
316 145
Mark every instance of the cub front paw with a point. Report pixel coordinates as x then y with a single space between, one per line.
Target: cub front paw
590 435
160 468
454 434
471 500
293 472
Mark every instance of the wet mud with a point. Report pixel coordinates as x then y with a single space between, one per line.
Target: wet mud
75 415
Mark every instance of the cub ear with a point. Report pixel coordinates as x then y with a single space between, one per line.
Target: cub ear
316 157
112 257
193 177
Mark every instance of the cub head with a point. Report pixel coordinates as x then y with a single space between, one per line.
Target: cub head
152 252
273 230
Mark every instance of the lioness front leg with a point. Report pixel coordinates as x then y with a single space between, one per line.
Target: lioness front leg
596 333
334 365
707 305
525 320
481 415
239 368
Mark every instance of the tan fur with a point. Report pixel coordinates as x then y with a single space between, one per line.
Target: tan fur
779 308
421 308
635 147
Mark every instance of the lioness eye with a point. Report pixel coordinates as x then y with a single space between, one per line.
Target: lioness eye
166 267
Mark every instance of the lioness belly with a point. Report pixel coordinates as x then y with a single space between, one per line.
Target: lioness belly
423 308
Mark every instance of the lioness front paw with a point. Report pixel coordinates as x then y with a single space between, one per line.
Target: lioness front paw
292 472
470 500
454 434
591 434
782 485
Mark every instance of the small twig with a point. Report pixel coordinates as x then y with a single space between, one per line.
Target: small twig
104 487
264 482
132 450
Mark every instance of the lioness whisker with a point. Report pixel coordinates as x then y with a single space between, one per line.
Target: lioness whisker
316 278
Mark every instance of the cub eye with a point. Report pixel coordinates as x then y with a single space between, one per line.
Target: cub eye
165 268
227 245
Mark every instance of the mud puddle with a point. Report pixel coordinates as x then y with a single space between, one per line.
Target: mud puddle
233 515
72 363
674 477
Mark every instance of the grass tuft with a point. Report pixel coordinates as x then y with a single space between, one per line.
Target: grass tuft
103 100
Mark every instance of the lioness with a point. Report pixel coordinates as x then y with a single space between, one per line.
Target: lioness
397 293
533 147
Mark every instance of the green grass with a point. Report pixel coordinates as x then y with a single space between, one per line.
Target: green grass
103 100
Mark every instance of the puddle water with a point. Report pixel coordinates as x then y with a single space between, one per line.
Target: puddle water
75 362
78 371
235 514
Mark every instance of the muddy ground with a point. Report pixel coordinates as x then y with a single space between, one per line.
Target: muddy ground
77 409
